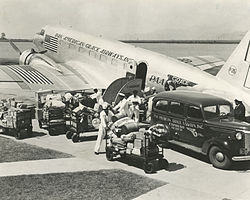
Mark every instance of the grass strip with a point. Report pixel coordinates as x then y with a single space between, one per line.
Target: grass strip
12 151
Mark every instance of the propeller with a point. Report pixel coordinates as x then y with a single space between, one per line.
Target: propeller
19 51
14 47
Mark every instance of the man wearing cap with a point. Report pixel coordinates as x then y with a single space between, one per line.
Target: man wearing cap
239 110
105 117
135 101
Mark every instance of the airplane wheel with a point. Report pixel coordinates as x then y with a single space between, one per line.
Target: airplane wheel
75 138
69 134
218 158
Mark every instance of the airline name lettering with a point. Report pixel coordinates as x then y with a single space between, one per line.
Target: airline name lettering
174 79
92 47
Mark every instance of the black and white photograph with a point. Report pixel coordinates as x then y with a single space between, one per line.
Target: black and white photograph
124 100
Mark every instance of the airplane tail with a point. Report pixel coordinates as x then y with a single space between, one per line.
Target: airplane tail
236 70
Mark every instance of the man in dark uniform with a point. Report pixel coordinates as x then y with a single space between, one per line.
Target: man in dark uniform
239 110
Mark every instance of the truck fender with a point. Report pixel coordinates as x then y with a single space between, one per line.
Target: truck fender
220 142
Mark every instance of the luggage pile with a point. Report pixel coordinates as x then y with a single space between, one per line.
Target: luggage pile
15 118
82 119
137 141
53 115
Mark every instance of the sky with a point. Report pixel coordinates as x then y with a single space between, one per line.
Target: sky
129 19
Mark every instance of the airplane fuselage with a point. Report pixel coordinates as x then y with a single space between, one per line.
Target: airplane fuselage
113 59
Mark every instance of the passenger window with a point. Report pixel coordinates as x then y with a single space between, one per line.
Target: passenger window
92 54
114 62
161 105
194 112
82 50
176 108
103 58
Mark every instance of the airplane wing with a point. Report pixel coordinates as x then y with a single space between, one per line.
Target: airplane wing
210 64
21 81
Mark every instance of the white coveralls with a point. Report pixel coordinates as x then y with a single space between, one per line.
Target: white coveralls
99 99
135 100
123 107
102 128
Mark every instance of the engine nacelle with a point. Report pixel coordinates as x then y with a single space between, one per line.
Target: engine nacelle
26 56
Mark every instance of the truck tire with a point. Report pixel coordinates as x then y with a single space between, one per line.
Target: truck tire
219 158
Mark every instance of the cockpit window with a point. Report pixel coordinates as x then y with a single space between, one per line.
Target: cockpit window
42 32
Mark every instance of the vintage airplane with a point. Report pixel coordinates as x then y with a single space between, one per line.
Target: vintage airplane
66 59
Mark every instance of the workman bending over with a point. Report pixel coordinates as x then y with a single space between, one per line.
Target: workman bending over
123 106
105 117
136 101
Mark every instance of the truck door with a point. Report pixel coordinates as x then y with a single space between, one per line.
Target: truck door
141 73
194 129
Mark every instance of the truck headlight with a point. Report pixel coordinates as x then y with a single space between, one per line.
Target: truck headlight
238 136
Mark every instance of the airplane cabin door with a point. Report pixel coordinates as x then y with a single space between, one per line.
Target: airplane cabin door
141 73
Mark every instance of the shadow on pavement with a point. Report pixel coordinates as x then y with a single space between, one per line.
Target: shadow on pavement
139 164
190 153
242 167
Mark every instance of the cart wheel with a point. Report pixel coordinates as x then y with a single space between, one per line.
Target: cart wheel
75 138
40 123
109 155
69 134
29 131
52 132
149 167
18 134
163 164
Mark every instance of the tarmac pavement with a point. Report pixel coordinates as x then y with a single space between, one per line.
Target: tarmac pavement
187 177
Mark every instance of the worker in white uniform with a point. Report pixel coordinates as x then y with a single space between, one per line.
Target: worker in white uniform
99 99
123 106
135 101
105 117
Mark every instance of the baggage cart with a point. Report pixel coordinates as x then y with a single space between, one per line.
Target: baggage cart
17 122
81 122
53 120
147 151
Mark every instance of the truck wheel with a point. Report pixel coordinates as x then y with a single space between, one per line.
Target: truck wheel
148 167
75 138
218 158
109 155
69 134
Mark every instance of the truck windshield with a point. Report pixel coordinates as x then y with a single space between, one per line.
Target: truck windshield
217 111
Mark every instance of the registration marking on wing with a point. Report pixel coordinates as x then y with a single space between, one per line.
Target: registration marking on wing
30 75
